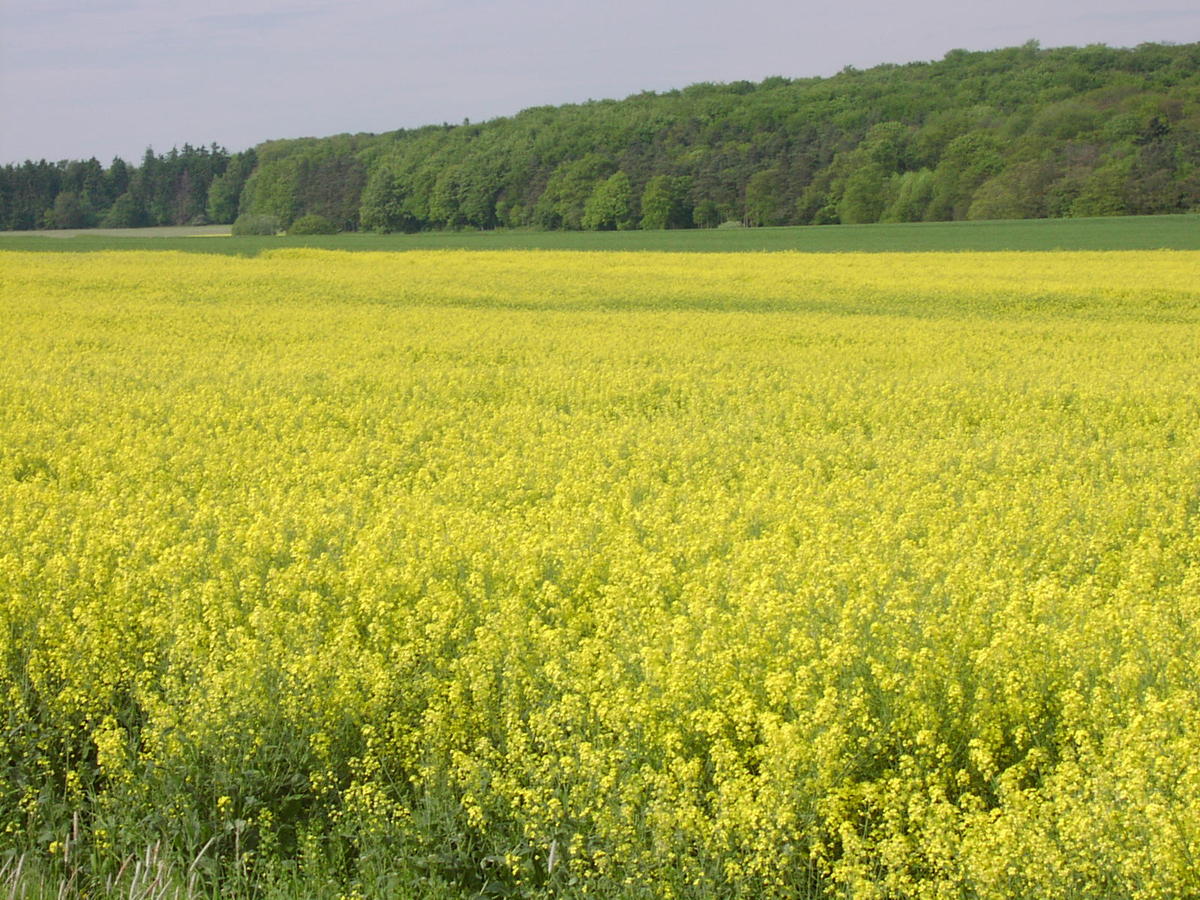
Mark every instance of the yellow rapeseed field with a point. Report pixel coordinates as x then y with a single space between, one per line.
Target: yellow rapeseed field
859 575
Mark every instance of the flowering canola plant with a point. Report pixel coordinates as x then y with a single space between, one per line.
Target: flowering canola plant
867 575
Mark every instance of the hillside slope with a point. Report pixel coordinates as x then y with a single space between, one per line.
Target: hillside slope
1015 133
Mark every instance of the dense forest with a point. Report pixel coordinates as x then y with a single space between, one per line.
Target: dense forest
1015 133
192 186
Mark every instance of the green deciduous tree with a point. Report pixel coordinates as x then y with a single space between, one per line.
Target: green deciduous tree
385 204
969 160
666 202
314 223
68 212
225 191
1022 191
223 195
912 194
257 224
568 189
126 212
706 214
611 205
764 203
865 195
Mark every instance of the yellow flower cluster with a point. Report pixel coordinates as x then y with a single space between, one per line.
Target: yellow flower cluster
763 575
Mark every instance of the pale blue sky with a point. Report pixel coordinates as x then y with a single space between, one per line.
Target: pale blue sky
83 78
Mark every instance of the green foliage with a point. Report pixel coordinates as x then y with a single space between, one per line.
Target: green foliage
888 145
68 212
257 224
763 198
224 194
572 183
969 160
1066 131
167 189
814 200
126 212
313 223
1020 192
272 191
610 206
1102 194
462 197
706 214
865 195
1066 120
666 202
385 204
913 192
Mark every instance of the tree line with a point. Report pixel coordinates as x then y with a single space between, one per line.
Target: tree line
188 186
1022 132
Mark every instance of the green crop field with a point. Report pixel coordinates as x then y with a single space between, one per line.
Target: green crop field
1176 232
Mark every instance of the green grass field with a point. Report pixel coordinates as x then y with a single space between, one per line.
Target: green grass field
1178 232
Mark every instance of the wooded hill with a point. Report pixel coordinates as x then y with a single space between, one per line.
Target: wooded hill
1015 133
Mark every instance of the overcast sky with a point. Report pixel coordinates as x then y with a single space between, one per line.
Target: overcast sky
82 78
